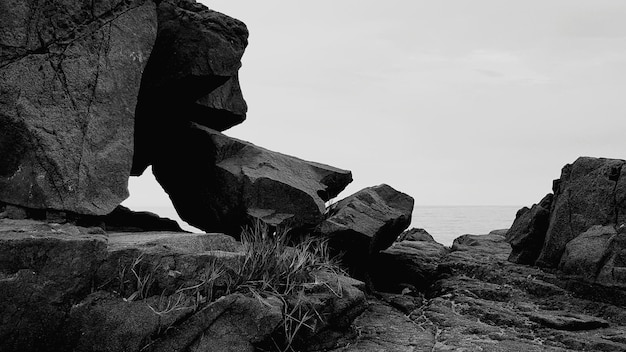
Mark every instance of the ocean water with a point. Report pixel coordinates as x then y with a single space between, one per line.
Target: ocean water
444 223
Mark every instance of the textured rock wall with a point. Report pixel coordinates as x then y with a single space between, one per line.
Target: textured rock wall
70 72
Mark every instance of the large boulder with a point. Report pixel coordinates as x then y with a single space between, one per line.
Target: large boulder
70 72
411 264
591 191
220 189
191 76
366 223
598 255
528 232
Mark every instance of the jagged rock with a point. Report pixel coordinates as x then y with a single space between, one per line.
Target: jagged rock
528 232
43 269
70 72
365 223
597 256
415 234
407 264
591 191
122 219
191 76
235 180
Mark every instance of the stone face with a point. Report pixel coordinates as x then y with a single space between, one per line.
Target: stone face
191 76
70 72
597 256
366 223
591 191
407 264
233 180
528 232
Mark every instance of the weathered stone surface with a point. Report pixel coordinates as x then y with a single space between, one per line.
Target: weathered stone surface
170 261
366 223
232 323
383 328
591 191
43 269
597 256
191 76
528 232
483 302
415 234
407 264
336 300
568 321
235 180
70 72
106 322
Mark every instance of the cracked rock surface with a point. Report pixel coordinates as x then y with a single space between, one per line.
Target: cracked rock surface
591 191
482 302
70 72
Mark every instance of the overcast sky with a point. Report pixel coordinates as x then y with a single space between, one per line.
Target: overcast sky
453 102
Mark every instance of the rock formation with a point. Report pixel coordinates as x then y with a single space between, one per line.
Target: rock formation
591 191
70 72
235 180
528 231
366 223
578 230
191 76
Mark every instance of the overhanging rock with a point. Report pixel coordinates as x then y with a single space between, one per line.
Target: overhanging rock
217 183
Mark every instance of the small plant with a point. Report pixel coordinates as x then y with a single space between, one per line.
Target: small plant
273 268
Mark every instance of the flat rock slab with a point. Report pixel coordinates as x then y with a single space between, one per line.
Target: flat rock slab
383 328
568 321
173 242
169 260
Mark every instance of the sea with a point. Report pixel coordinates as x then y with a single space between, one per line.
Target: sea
444 223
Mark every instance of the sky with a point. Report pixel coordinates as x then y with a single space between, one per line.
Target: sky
452 102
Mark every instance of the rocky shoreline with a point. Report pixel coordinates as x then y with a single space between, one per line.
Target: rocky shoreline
94 92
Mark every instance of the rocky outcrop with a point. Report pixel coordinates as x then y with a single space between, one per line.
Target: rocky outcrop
591 191
528 232
191 76
235 181
483 302
366 223
151 291
69 77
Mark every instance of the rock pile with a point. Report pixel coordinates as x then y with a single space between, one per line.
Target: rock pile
92 92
